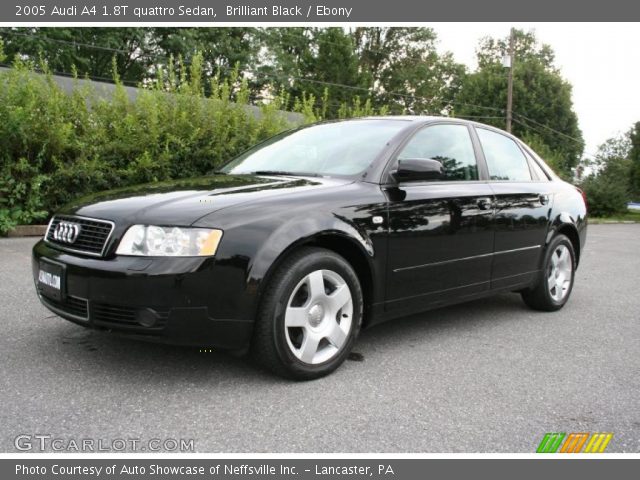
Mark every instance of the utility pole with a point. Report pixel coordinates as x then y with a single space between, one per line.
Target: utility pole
512 41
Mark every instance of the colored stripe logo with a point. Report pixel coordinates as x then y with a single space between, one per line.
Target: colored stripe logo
574 443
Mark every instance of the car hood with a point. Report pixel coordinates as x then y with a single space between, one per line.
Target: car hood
182 202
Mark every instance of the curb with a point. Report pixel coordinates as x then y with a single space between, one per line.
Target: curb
28 231
613 222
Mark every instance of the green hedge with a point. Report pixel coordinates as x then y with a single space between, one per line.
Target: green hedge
57 146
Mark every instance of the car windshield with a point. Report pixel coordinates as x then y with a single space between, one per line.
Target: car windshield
340 148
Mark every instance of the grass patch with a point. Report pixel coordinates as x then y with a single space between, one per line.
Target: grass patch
630 216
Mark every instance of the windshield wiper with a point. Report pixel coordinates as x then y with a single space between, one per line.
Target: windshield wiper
282 172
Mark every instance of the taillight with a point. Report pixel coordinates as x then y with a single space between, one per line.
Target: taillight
584 197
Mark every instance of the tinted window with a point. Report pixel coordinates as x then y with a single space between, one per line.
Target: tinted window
505 160
449 144
537 169
340 148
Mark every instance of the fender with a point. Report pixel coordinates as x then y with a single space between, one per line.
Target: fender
297 232
572 225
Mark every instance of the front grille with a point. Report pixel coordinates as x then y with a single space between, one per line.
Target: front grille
76 307
91 240
124 316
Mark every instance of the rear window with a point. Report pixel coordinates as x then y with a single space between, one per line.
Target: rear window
538 172
505 160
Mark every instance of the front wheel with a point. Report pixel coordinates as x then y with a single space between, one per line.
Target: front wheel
310 315
555 283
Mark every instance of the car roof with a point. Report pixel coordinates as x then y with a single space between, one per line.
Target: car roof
406 118
424 119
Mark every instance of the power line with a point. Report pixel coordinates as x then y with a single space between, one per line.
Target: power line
68 42
329 42
282 75
127 52
551 129
526 125
285 76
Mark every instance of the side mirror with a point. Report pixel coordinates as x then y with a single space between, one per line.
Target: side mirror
415 169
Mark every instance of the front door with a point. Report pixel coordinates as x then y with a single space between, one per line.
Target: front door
440 232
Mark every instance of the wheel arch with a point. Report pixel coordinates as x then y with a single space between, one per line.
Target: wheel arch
351 249
564 225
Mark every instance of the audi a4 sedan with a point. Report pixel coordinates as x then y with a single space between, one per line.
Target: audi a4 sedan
293 247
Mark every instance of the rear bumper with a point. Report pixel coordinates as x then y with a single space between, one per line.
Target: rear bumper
182 301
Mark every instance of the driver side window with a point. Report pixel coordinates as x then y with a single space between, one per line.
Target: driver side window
450 145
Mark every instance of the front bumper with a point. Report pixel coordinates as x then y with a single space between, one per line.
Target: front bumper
182 301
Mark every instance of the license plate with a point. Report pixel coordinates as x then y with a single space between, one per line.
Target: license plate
50 280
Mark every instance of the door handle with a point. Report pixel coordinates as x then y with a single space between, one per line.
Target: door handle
485 203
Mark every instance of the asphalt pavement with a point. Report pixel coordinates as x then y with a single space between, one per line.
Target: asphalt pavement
486 376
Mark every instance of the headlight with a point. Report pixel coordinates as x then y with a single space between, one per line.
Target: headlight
152 241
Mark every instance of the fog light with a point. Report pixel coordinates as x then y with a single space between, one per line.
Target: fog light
147 317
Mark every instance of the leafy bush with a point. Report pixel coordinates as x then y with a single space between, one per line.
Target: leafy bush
20 195
607 188
57 146
606 196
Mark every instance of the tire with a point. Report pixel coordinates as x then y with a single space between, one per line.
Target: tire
555 282
309 316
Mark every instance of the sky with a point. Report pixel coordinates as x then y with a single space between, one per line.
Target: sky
600 60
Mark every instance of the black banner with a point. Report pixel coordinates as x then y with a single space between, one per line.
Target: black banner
302 11
307 469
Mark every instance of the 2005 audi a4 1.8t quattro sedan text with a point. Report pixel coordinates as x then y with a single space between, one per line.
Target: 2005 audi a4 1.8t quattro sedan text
295 245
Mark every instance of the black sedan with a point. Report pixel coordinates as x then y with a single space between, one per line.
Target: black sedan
294 246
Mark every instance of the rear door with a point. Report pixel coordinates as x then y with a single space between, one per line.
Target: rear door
524 197
440 232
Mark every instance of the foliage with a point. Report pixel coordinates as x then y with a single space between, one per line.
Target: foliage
405 67
541 97
56 146
395 67
20 195
314 62
67 48
629 216
607 186
634 157
199 84
551 157
136 50
605 196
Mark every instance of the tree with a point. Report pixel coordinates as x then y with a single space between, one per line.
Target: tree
634 157
406 70
541 97
222 49
607 186
137 51
89 51
314 62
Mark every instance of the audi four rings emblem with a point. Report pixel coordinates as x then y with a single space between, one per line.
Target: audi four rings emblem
66 232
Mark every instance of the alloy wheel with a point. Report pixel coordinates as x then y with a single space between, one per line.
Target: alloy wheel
319 316
559 274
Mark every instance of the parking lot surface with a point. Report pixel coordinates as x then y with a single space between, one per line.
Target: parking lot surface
486 376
